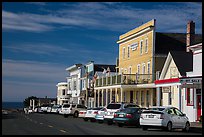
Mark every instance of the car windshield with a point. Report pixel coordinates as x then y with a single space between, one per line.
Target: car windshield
66 106
130 105
159 109
113 106
96 108
130 110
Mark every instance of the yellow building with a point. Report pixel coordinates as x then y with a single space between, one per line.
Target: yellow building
142 52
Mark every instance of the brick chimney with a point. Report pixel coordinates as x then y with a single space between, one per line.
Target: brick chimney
190 36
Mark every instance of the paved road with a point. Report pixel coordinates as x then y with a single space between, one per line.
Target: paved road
52 124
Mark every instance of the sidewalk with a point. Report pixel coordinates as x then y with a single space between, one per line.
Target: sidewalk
196 127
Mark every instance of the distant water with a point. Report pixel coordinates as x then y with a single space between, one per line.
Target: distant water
14 105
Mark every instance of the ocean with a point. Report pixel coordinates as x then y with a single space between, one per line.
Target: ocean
14 105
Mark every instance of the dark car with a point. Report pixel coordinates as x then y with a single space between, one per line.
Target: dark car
128 116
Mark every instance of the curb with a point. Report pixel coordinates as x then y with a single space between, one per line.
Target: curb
196 129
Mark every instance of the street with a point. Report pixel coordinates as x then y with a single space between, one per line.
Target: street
18 123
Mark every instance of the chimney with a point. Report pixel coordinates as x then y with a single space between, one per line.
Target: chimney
190 36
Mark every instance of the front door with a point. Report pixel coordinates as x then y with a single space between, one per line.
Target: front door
198 106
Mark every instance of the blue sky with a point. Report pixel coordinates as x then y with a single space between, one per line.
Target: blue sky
41 39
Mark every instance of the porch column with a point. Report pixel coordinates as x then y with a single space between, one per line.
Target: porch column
94 98
33 104
106 96
111 95
121 94
116 98
102 98
158 96
98 97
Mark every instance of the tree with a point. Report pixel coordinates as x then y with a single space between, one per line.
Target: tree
26 102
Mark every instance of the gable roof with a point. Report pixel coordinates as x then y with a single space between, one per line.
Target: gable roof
101 67
183 61
166 42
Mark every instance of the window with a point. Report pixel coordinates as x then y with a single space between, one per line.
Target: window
189 95
141 46
137 97
146 45
130 70
138 69
69 86
148 69
123 53
63 92
75 85
143 70
148 98
128 52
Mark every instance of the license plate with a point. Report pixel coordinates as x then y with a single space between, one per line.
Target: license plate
110 113
151 116
120 115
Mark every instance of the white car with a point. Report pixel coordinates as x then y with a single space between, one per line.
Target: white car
65 110
164 117
115 107
91 113
100 115
82 113
56 109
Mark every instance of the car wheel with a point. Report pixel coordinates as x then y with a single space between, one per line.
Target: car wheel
76 114
65 115
169 126
109 122
120 124
144 127
187 127
85 119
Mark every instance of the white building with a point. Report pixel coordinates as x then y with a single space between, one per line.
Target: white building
192 86
62 95
76 72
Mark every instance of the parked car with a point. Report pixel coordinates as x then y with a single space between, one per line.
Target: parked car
44 108
115 107
91 113
49 108
82 113
76 108
100 115
56 109
128 116
65 110
164 117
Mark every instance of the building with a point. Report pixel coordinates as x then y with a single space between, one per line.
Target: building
192 86
142 53
62 95
74 81
175 67
94 71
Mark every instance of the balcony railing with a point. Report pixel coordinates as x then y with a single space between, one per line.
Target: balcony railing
124 79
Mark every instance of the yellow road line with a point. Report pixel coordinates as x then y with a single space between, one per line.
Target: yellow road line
50 126
63 131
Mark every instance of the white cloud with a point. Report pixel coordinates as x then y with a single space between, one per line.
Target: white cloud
32 71
99 15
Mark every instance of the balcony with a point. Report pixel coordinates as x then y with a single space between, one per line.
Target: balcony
124 79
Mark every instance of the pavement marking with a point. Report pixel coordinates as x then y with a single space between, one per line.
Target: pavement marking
41 123
63 131
50 126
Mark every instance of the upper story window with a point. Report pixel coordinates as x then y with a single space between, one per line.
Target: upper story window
75 85
148 69
138 69
146 45
69 86
130 70
128 52
63 92
143 70
123 53
141 47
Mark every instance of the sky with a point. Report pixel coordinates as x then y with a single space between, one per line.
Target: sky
41 39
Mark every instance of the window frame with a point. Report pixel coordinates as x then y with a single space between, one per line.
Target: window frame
188 97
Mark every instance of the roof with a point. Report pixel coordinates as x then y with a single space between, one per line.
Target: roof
183 61
166 42
101 67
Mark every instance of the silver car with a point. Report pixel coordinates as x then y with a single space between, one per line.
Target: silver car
168 118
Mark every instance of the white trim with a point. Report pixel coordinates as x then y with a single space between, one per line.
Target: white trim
134 35
123 53
136 38
146 45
